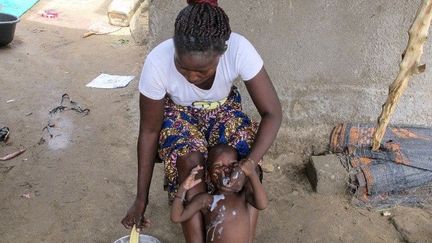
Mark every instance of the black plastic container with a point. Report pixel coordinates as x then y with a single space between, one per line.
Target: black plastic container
7 28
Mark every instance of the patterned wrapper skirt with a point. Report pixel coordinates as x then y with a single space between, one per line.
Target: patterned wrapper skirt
187 129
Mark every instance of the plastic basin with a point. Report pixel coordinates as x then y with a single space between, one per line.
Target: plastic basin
142 239
7 28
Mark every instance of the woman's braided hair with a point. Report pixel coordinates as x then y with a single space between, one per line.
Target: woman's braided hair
201 26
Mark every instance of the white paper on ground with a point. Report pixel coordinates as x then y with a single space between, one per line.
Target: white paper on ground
107 81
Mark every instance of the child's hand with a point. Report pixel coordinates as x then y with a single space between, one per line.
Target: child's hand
191 180
248 166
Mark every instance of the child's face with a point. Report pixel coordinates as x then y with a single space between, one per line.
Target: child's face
221 169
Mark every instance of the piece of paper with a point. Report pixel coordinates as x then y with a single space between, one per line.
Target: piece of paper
107 81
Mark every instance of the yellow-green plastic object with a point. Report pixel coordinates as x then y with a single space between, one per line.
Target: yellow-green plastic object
134 236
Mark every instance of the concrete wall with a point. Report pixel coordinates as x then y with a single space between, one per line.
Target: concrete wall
330 60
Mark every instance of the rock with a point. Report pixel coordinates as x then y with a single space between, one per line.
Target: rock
139 24
267 168
414 224
327 175
120 11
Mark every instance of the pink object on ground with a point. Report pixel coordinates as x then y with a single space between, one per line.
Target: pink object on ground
50 13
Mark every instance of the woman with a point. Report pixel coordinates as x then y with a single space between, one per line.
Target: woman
188 105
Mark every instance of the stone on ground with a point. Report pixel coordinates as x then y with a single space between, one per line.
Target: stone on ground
414 224
267 167
139 24
327 175
120 12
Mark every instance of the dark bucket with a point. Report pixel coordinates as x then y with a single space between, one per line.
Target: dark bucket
7 28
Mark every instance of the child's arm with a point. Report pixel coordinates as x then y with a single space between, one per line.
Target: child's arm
180 213
257 197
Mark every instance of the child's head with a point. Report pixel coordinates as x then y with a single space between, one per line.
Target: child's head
221 160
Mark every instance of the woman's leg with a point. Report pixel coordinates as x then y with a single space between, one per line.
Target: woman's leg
193 229
182 147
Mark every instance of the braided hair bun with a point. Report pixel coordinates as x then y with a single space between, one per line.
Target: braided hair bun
214 3
201 26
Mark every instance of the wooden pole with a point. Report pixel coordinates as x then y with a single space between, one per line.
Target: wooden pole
409 66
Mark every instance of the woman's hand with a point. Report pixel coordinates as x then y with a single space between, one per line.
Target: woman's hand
151 117
248 166
135 216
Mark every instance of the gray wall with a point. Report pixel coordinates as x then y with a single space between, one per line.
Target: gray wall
331 61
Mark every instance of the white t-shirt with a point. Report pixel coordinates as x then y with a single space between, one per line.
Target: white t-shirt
160 76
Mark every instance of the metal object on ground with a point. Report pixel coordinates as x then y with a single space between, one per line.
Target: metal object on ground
4 134
74 106
142 239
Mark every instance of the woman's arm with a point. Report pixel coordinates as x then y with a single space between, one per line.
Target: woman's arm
256 195
151 117
266 101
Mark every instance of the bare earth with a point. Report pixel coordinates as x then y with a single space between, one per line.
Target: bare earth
76 186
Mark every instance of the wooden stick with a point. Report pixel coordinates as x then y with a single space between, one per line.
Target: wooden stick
12 155
409 66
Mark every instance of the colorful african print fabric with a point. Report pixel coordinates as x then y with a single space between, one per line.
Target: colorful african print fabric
186 129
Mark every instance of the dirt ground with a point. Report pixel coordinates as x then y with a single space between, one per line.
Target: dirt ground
76 186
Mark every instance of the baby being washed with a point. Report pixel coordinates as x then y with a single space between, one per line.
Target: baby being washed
226 213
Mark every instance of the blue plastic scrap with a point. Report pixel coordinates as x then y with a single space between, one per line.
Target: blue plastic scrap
16 7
